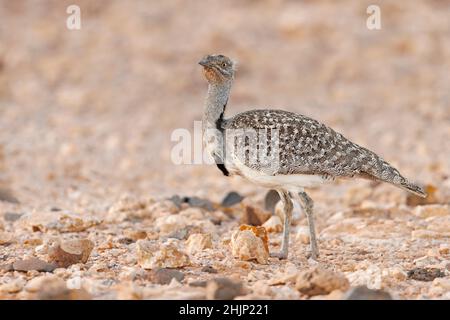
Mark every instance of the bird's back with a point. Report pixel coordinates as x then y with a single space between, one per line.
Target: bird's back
307 146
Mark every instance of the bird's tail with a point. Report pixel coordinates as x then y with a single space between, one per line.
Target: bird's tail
385 172
413 188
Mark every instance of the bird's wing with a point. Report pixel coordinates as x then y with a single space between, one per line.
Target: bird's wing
306 146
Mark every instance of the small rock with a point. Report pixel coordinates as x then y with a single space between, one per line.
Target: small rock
283 278
444 249
177 200
6 267
231 199
270 200
425 234
396 273
165 276
171 224
184 233
12 216
33 264
442 283
198 242
39 283
254 216
135 235
32 242
125 241
223 289
433 210
52 287
319 281
198 283
333 295
60 221
7 196
130 208
199 203
302 234
6 238
13 286
151 255
208 269
372 277
425 274
70 252
364 293
274 224
250 243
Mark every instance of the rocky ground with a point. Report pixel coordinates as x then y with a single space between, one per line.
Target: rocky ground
88 191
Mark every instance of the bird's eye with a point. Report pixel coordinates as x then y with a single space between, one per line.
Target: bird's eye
224 64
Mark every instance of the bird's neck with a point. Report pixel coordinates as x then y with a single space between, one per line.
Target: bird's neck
216 101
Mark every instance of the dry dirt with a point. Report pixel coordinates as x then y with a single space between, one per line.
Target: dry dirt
86 119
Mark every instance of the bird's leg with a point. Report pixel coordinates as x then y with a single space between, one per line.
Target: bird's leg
307 205
287 206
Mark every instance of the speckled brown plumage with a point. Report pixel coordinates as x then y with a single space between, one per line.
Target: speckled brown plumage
309 147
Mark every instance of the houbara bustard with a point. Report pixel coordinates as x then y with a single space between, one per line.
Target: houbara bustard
282 150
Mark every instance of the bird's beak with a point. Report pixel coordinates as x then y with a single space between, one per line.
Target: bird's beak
204 62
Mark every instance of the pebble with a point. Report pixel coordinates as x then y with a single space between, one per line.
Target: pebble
70 252
425 274
184 233
432 210
177 200
33 264
208 269
6 267
231 199
5 238
442 283
39 283
135 235
13 286
198 242
250 243
425 234
270 200
199 203
171 224
364 293
61 221
12 216
152 255
223 289
33 242
372 277
165 275
318 281
130 208
7 196
274 224
51 287
302 234
254 216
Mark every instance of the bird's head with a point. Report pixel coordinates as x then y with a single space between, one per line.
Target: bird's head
218 68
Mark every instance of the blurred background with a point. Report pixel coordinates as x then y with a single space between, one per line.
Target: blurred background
86 115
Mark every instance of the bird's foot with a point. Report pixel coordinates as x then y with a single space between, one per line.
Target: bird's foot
313 254
280 255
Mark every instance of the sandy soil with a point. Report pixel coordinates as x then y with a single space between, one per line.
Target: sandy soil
86 118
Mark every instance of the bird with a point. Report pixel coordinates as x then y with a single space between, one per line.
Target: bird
283 150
